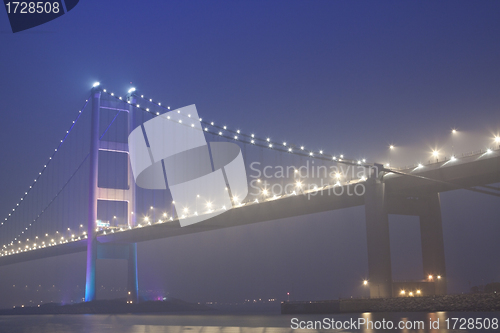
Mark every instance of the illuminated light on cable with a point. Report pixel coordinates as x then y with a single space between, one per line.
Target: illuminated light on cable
268 139
359 162
435 153
112 94
439 277
180 121
238 131
131 90
206 129
189 115
264 192
334 158
212 123
252 141
488 151
220 133
341 156
497 139
96 84
452 158
387 164
311 154
420 165
236 137
178 111
150 100
364 161
298 184
290 149
402 292
120 97
253 136
321 152
453 131
270 145
224 127
192 125
138 106
168 117
391 147
302 148
159 103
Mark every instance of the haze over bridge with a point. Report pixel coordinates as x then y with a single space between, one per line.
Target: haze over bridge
385 190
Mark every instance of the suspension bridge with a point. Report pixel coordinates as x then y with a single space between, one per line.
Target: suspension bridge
85 196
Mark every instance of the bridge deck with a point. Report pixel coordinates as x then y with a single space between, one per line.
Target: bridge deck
474 170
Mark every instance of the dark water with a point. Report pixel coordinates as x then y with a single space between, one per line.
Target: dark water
252 323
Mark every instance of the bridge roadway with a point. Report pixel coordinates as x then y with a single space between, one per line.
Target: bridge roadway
476 170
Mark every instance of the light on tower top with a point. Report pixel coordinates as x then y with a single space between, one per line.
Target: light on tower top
131 90
96 84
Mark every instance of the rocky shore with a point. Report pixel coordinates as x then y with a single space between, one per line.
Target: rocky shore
465 302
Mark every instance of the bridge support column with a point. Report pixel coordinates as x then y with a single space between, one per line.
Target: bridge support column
132 281
431 233
378 243
90 292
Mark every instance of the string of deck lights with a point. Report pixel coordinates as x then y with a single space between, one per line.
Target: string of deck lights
238 204
47 163
267 144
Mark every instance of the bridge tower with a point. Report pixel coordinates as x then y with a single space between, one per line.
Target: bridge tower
378 206
95 250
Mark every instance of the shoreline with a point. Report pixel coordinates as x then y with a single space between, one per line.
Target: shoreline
455 303
109 307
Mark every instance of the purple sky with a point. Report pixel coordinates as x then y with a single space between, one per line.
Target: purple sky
346 77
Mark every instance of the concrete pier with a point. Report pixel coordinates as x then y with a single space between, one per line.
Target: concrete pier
377 236
431 233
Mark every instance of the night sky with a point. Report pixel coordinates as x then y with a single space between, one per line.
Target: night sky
343 76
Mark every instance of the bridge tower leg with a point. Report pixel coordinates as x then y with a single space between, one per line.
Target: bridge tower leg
378 242
90 292
431 233
132 279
